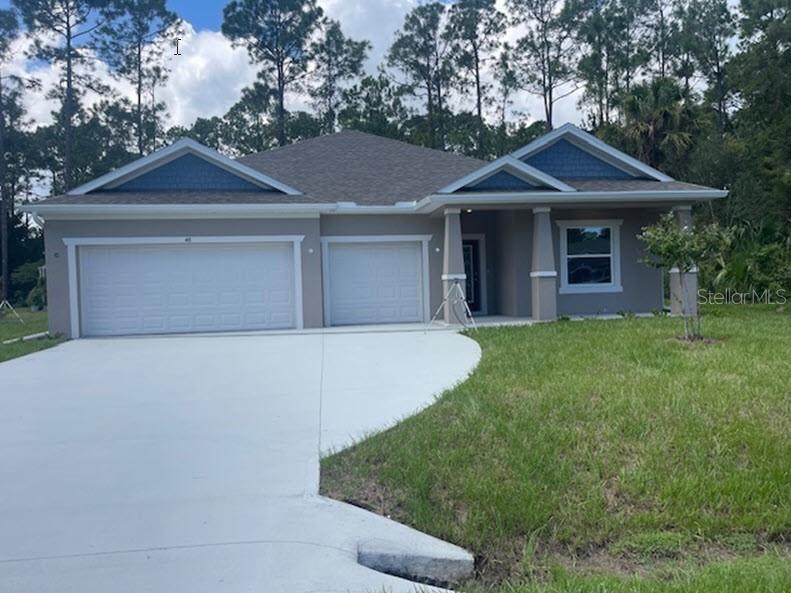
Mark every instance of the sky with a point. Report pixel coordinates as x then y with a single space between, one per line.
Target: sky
209 76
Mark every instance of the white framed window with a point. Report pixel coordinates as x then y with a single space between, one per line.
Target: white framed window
590 256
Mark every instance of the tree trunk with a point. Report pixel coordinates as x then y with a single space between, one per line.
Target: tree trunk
4 290
440 117
548 79
68 114
140 144
281 105
479 105
720 100
432 134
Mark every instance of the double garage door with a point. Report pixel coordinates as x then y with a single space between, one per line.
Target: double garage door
160 289
209 287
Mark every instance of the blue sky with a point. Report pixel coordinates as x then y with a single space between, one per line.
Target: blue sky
203 15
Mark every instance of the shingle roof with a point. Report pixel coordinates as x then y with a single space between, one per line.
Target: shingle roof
631 185
356 167
350 166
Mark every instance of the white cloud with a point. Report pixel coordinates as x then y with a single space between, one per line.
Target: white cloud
204 81
374 20
207 79
209 76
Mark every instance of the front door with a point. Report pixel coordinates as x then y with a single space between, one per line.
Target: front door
472 268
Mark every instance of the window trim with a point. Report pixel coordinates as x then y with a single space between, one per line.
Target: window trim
615 257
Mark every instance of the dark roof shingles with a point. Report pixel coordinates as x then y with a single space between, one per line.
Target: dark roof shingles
626 185
356 167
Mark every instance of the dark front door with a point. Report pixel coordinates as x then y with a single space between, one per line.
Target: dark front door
472 268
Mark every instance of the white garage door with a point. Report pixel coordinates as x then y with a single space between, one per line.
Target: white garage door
375 283
157 289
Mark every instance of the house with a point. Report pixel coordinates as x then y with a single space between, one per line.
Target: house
351 228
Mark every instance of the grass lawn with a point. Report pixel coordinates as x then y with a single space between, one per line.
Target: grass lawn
10 327
602 456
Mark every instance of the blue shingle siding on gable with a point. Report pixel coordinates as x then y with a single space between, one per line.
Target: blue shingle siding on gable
188 173
502 181
565 160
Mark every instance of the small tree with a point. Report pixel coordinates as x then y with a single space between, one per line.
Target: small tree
672 245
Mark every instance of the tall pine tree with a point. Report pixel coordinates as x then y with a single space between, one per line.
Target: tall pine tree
276 34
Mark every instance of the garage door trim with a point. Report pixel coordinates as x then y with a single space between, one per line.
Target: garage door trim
72 243
325 264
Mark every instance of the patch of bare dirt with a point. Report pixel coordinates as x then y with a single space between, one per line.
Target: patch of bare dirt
365 492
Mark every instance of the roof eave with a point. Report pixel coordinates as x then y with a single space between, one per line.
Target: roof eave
427 205
173 211
436 201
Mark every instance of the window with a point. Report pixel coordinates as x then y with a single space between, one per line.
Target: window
590 258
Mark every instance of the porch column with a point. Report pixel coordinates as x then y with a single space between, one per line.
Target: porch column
453 266
684 295
543 278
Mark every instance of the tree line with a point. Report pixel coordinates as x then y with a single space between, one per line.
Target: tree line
695 88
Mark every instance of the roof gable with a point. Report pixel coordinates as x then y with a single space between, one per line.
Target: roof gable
506 174
568 161
188 173
185 165
501 181
592 146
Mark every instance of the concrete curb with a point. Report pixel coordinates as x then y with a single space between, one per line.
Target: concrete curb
441 569
29 338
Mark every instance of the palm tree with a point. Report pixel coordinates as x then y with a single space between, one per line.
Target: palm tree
657 122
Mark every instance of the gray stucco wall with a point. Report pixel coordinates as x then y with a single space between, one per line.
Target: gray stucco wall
642 284
508 254
57 265
516 251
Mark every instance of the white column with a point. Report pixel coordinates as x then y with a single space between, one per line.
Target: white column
453 266
544 276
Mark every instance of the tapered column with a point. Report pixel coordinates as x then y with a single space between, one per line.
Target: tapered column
544 276
453 276
684 287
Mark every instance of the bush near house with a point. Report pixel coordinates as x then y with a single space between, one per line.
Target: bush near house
602 456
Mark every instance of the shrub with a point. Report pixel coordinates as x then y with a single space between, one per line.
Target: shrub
37 297
24 278
752 257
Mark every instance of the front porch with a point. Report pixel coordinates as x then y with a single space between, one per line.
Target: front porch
531 264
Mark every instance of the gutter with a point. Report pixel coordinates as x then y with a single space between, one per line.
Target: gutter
435 201
174 211
426 205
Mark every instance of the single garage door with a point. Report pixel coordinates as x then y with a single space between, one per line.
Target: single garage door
375 282
160 289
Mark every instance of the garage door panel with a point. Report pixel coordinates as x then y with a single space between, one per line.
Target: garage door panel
375 282
185 288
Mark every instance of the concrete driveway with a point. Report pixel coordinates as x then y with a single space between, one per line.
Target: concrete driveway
192 463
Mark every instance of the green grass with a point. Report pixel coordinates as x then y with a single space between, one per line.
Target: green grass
10 327
606 446
769 574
